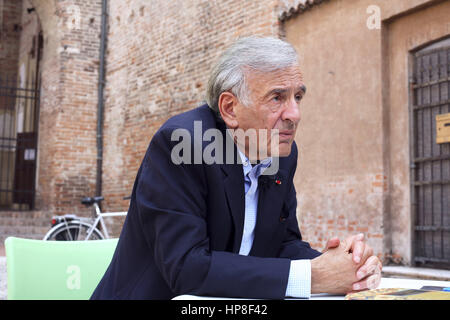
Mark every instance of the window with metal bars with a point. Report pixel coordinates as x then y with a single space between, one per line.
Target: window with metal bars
18 144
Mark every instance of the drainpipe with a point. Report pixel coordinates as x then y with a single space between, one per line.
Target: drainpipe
100 106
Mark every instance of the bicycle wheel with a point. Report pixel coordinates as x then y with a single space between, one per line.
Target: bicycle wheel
73 231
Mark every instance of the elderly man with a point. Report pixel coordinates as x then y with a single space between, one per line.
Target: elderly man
227 226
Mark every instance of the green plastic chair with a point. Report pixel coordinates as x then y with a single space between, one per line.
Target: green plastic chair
55 270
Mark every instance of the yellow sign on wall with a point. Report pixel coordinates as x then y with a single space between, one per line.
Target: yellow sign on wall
443 128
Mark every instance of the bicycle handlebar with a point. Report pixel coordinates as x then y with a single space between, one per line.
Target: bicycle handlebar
89 201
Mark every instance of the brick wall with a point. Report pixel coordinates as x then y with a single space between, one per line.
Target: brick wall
159 56
342 205
158 60
67 135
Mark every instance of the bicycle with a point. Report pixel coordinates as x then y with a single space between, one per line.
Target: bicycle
70 227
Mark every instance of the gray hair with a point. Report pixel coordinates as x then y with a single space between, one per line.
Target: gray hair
264 54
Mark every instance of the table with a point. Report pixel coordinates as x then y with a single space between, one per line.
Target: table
385 283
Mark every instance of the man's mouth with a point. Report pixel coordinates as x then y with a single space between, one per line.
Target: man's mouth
285 135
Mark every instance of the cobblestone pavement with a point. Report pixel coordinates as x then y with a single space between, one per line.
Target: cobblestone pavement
3 287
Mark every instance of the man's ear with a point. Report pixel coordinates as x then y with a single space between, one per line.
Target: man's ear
227 104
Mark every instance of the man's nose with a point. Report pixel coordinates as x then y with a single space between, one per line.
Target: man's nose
292 111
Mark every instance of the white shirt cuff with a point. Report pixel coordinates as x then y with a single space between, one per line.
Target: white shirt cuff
299 281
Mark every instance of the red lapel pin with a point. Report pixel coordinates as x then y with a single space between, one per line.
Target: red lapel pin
278 181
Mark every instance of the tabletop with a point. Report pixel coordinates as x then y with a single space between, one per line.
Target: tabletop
384 283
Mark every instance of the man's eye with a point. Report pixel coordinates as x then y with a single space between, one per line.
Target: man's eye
277 98
298 97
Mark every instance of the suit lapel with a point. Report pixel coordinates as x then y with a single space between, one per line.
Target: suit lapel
234 190
233 180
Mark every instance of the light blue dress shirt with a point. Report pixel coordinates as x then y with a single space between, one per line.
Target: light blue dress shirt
299 281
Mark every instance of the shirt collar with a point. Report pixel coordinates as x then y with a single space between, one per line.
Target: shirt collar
247 165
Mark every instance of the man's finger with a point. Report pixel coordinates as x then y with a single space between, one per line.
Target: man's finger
358 251
372 265
368 252
332 243
371 282
350 241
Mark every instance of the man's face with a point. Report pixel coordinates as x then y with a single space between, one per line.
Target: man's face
275 98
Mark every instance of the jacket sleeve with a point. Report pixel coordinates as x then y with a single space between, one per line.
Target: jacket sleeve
172 211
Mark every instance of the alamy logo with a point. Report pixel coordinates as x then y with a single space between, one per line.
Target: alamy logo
261 144
374 20
73 281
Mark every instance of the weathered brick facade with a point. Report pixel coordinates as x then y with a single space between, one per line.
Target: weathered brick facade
68 72
69 77
158 58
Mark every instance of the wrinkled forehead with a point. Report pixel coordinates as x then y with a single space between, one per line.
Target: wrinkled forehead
286 79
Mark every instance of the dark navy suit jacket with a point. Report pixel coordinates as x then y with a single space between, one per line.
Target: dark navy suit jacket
185 222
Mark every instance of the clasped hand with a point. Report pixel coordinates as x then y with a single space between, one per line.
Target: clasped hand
345 267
